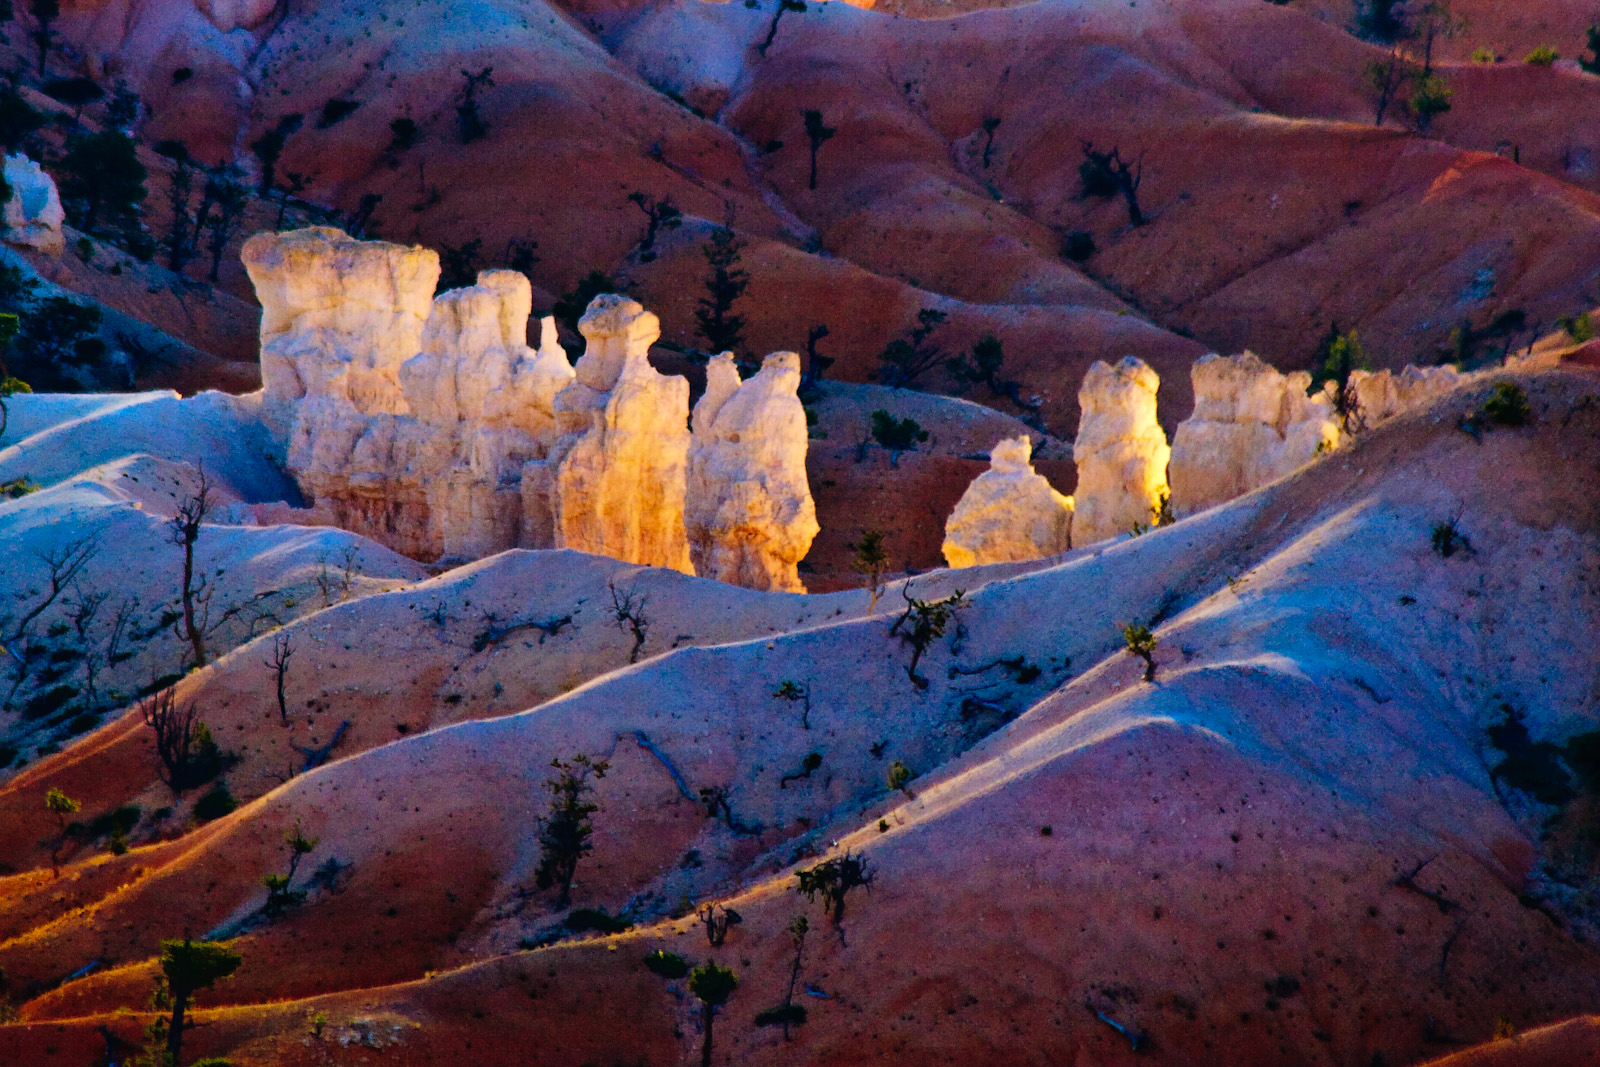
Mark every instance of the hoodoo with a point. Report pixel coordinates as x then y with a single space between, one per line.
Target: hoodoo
749 515
1121 451
1251 425
1009 513
616 475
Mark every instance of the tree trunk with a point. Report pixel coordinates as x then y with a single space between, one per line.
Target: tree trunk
197 641
1135 216
180 1005
707 1012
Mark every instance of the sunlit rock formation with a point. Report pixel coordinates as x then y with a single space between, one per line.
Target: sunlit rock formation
1121 451
486 399
407 418
1251 425
1385 394
33 215
748 512
338 319
614 481
1009 513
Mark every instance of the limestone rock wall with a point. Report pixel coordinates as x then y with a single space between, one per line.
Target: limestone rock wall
748 512
1121 451
339 317
1009 514
488 402
614 481
33 216
1251 426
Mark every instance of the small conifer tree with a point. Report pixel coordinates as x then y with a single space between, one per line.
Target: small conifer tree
722 329
564 835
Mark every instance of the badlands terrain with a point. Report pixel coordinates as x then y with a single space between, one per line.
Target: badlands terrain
622 532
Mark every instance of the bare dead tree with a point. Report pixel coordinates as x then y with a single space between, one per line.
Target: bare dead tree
202 619
282 650
183 742
347 571
126 611
1108 172
343 582
85 607
630 611
82 610
185 531
63 563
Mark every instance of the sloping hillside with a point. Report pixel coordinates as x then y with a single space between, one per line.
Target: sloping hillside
1311 838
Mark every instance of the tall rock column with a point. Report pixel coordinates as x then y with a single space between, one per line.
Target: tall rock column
1121 451
615 480
1009 514
748 512
1251 426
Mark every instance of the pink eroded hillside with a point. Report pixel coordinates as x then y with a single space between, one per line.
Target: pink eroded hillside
1289 846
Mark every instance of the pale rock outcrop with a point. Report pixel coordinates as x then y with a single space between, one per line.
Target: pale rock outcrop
1009 514
1120 450
338 319
229 15
487 401
33 215
748 512
430 425
339 316
614 481
1385 394
1251 426
407 418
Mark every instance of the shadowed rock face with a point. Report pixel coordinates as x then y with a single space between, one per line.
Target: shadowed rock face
1121 451
749 514
1009 513
1251 425
616 476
